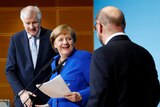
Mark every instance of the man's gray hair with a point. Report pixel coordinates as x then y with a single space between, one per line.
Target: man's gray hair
27 11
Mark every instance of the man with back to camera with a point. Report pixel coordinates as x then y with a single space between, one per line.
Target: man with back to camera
122 73
28 52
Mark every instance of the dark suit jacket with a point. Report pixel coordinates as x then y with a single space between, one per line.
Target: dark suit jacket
123 74
19 66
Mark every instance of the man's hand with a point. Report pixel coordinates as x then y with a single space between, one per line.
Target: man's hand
24 96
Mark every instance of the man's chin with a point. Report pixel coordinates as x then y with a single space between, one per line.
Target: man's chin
33 34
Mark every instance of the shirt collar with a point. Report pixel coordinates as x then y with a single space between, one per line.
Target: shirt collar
37 36
113 35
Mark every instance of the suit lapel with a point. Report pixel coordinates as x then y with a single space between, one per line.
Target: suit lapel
41 46
24 40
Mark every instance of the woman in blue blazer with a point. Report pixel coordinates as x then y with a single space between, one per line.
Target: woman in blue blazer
75 70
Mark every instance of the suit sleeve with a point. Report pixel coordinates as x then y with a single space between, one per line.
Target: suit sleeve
11 68
85 93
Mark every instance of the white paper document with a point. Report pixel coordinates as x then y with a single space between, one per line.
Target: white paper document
55 88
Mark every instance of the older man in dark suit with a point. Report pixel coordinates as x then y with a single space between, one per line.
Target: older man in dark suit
28 52
123 74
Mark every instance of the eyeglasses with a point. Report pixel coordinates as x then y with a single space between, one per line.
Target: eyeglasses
95 28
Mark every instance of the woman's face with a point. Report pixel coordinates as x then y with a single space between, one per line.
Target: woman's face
64 44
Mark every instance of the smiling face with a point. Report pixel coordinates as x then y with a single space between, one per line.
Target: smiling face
64 44
31 25
31 18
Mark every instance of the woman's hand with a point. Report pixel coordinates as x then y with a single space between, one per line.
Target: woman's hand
74 96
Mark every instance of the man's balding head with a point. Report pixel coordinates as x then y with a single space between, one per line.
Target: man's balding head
112 15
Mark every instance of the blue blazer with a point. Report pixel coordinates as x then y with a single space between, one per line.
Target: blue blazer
19 66
76 73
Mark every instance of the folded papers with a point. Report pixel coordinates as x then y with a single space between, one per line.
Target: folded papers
55 88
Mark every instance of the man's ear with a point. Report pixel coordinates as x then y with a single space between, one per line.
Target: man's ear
100 28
